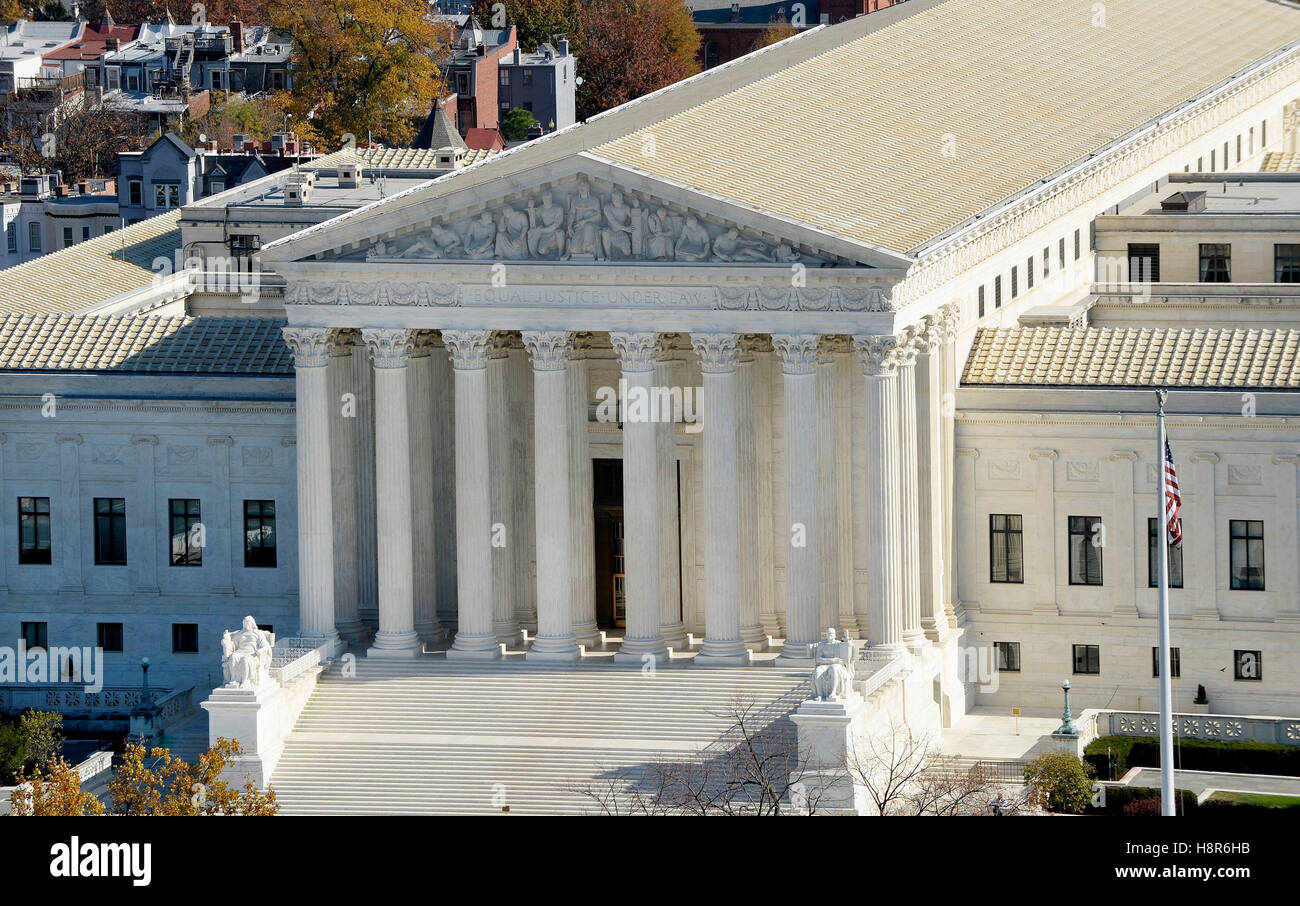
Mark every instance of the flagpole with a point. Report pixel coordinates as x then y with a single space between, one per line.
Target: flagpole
1166 681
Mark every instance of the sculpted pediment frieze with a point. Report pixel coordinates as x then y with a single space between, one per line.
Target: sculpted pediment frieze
580 219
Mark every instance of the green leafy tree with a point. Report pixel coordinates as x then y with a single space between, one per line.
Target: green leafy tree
43 731
13 753
535 21
516 123
1060 781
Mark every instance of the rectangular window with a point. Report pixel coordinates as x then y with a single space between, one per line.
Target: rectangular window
1153 558
503 78
1008 656
1238 149
1006 548
259 533
36 635
33 530
1029 273
981 302
185 638
1250 140
109 636
1085 550
67 237
1216 261
1143 263
1263 133
1248 665
135 192
110 531
1087 659
1200 165
1246 554
1076 245
1047 262
167 196
1225 155
1212 160
34 237
1015 284
85 232
1175 662
11 237
187 533
1060 251
997 291
1286 262
528 78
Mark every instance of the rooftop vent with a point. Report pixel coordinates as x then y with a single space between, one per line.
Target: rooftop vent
1185 202
297 189
349 175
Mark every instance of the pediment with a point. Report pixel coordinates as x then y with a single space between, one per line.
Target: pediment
581 210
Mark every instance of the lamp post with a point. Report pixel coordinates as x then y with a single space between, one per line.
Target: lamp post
1067 722
146 697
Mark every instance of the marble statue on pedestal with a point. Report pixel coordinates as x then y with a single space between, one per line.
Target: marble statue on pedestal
833 668
246 656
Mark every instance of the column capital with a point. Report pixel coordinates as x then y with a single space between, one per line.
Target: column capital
1118 455
579 345
931 334
756 342
798 351
950 318
389 347
1204 456
499 343
422 341
1036 455
717 352
311 346
548 349
467 348
343 340
150 439
879 354
636 350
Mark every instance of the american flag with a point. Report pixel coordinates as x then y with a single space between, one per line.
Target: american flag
1173 499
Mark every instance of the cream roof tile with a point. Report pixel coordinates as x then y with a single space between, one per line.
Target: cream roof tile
143 344
851 140
1135 357
90 272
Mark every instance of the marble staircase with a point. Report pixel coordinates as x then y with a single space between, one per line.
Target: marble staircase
431 736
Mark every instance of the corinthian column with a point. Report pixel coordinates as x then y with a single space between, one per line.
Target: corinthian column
311 346
506 547
909 493
344 412
390 350
722 645
750 525
670 555
931 471
419 389
884 585
798 354
827 493
582 505
474 636
554 642
641 503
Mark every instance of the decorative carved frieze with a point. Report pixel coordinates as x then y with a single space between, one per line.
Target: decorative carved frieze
548 349
717 352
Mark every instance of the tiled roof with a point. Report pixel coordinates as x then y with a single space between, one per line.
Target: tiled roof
143 344
1135 357
947 109
393 158
1281 162
89 272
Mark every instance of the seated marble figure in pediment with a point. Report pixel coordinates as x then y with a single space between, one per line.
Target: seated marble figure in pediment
577 222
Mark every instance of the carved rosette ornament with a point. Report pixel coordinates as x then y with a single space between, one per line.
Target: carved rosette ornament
879 354
549 349
636 349
389 347
798 351
468 348
310 345
717 352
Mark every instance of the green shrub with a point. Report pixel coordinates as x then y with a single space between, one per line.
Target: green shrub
1137 800
1062 782
1237 757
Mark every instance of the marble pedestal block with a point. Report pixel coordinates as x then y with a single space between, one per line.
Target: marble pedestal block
828 732
251 716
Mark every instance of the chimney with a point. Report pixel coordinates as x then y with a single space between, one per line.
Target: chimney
112 43
236 36
519 56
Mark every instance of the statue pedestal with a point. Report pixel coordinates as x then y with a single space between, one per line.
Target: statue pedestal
251 716
828 733
1065 742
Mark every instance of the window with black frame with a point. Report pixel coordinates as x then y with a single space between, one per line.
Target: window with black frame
110 531
1087 659
1008 656
1143 263
1175 558
34 530
1085 550
1215 262
1175 662
187 532
1248 665
1006 548
1286 262
259 533
1246 554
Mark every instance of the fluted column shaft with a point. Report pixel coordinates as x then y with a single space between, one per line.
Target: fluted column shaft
750 525
444 481
505 545
311 346
474 635
582 509
798 353
390 351
931 471
949 320
643 637
909 494
722 644
827 502
549 353
344 412
670 554
884 580
419 390
764 456
367 541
